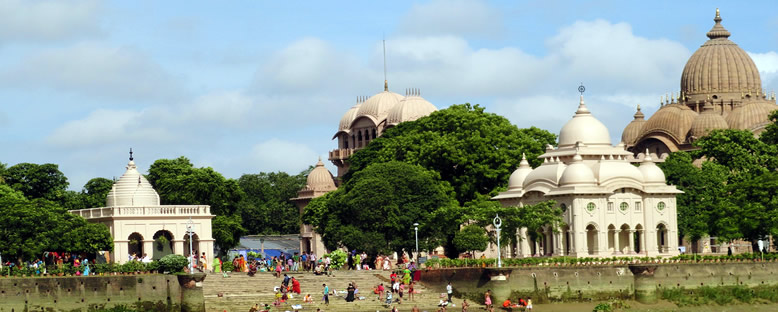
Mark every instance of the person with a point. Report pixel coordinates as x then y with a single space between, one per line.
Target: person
350 261
326 296
393 278
255 308
307 298
217 265
488 300
394 309
304 260
415 309
410 291
522 303
252 268
406 277
286 280
400 291
278 270
729 250
295 286
86 268
387 264
449 291
312 258
507 304
350 291
267 308
203 262
388 298
358 261
380 291
529 303
396 287
465 305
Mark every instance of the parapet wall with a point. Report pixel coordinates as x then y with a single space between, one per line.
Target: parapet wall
152 292
598 282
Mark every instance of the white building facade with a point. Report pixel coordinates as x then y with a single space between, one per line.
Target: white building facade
611 207
140 225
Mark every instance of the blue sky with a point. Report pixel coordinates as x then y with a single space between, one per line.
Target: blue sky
250 86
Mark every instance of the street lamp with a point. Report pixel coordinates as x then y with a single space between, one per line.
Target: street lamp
416 228
497 223
190 231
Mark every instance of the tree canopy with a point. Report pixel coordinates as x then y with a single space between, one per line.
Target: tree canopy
471 238
471 149
376 209
36 180
266 208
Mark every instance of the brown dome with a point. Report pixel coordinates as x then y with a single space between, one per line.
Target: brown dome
720 68
320 179
706 122
751 116
632 132
674 120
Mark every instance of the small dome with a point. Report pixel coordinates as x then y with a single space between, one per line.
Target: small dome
132 190
651 172
584 128
549 172
348 117
378 106
520 174
706 122
674 120
633 129
577 173
320 179
751 116
614 169
719 67
412 107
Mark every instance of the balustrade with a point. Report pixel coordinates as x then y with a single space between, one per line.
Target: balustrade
143 211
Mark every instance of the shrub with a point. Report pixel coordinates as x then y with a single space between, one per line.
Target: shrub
337 258
173 263
227 266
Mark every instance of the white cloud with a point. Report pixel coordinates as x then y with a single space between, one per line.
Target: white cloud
457 17
281 155
767 63
109 126
94 69
48 19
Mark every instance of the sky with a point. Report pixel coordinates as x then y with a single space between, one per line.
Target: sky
260 86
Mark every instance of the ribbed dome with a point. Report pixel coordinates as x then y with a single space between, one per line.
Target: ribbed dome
348 117
673 119
706 122
378 106
412 107
132 190
520 174
751 116
633 129
651 172
320 179
577 173
585 128
719 67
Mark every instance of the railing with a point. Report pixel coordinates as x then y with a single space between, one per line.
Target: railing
163 211
341 153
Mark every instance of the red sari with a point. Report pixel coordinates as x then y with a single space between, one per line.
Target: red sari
296 286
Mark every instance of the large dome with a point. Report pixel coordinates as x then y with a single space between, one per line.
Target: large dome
674 120
632 131
378 106
320 179
719 68
349 116
132 190
583 127
751 116
412 107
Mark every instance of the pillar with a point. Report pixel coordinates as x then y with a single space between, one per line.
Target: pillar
148 247
559 244
524 248
602 243
617 242
120 251
178 247
631 242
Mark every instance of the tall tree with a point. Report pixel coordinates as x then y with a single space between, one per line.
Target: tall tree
266 208
770 133
178 182
473 150
37 181
471 238
375 210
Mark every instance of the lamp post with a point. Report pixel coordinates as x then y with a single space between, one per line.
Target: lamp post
497 223
190 231
416 228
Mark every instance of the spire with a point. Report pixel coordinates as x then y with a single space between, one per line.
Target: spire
648 157
386 83
582 107
130 153
319 164
524 163
639 114
718 31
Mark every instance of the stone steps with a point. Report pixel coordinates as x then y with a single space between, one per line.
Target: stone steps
239 292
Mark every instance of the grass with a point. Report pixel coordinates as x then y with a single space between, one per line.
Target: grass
721 295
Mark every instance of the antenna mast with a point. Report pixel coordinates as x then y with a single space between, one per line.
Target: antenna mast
386 84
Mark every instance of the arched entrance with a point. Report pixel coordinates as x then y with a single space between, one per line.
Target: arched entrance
135 245
624 237
638 238
661 237
591 239
163 244
612 239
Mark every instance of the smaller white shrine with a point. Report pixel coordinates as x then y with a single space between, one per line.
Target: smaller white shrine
140 225
611 207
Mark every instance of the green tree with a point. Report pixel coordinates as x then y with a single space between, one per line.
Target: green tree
770 133
37 181
374 211
178 182
471 238
473 150
266 208
95 192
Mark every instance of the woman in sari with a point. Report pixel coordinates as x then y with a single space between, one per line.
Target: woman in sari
217 265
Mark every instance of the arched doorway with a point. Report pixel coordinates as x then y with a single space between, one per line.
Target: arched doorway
612 239
163 244
135 245
638 238
624 237
591 239
661 237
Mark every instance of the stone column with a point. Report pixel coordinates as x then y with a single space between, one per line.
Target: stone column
602 243
559 244
524 248
178 247
631 241
148 247
617 242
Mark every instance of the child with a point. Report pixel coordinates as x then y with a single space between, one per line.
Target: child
307 299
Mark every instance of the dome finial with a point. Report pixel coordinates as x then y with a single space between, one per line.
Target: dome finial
523 163
718 31
648 157
386 85
131 154
581 105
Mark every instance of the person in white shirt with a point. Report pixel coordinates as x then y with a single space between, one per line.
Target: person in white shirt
449 291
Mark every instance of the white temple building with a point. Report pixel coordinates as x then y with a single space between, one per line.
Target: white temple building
140 225
611 207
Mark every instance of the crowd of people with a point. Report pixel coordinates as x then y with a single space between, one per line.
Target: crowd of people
54 260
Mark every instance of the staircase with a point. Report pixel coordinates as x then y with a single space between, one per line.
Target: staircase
240 292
